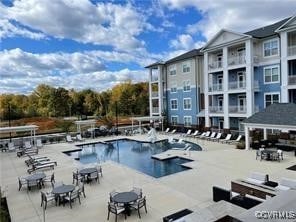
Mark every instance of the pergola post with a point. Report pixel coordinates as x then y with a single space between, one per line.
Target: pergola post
247 139
265 134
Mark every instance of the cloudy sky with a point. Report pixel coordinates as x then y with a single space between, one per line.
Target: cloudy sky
96 44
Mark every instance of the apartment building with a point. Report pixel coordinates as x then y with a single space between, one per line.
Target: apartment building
242 74
175 89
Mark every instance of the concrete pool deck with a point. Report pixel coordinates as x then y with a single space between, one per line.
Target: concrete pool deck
217 165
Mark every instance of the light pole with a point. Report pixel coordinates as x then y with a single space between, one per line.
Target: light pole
9 120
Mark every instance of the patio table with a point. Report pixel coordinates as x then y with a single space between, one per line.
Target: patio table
38 177
87 171
125 198
62 190
269 153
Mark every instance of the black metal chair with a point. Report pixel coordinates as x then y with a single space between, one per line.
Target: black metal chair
47 197
138 191
22 181
49 179
94 176
113 208
139 204
81 189
76 177
73 196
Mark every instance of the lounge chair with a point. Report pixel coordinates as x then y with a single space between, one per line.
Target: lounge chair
211 137
39 143
194 134
217 137
28 145
41 167
227 138
239 137
69 139
173 131
11 147
166 131
79 138
188 133
204 135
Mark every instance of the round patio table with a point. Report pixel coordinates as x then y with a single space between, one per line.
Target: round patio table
269 153
63 189
87 171
36 177
125 198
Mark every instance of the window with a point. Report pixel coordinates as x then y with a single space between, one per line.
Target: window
270 48
187 103
174 87
271 74
186 86
187 121
172 70
271 98
186 67
174 104
174 120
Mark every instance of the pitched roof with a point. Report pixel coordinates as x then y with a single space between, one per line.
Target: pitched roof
268 30
186 55
155 64
275 114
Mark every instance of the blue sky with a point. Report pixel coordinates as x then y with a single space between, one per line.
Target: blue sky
96 44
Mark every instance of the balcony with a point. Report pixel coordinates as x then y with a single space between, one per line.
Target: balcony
215 87
155 109
292 80
237 109
216 109
237 60
154 94
236 85
154 79
292 50
215 65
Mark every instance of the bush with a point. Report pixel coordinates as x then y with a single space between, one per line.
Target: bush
241 145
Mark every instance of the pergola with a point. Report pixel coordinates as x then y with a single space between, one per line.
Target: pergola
279 116
145 119
79 123
26 128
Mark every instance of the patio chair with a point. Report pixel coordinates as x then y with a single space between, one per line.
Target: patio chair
227 138
113 208
57 184
112 194
76 177
94 176
39 143
28 145
11 147
49 179
73 196
279 155
217 138
205 135
259 153
139 204
46 197
194 134
79 138
213 134
187 134
99 169
81 189
22 181
239 137
69 139
138 191
32 183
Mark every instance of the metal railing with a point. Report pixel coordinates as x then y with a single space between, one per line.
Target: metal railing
237 85
215 65
291 50
236 60
237 109
216 109
215 87
292 80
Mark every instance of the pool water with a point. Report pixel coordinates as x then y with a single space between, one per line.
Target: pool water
134 154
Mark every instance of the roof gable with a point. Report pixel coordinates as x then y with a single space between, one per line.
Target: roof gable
187 55
223 37
275 114
290 23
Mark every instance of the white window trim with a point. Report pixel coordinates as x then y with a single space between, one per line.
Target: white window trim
174 85
171 104
271 93
185 117
174 116
189 85
271 67
271 40
173 67
190 103
188 64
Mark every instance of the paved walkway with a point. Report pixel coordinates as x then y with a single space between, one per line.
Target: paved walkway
218 164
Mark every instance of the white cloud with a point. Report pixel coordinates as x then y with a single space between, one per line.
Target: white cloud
185 42
116 25
239 15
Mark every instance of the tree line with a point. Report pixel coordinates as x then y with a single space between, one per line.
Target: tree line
47 101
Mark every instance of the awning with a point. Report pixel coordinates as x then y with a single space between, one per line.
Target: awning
18 129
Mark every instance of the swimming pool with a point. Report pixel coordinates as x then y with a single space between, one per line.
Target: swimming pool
134 154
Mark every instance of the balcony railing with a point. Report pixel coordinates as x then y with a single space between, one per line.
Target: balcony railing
237 109
154 94
292 80
215 87
155 109
237 60
292 50
236 85
215 65
216 109
154 78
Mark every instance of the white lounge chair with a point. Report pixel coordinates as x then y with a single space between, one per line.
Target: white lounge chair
227 138
79 138
69 139
217 137
205 135
39 143
236 140
166 131
28 145
173 131
194 134
188 133
213 134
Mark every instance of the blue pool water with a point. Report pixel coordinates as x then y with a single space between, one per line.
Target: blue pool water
134 154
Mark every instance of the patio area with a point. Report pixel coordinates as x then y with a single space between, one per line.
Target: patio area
217 164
